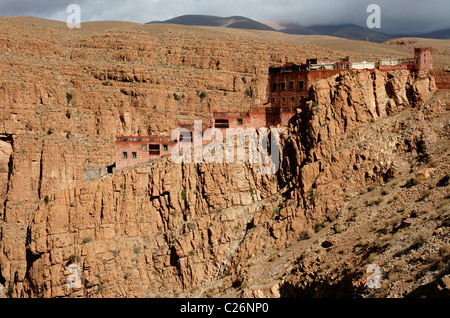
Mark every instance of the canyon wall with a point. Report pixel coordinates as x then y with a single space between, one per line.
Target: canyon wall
164 229
65 94
168 229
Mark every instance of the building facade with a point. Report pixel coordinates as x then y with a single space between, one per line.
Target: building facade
289 84
288 90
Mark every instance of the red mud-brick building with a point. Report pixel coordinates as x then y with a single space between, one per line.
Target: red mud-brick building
132 150
289 84
288 89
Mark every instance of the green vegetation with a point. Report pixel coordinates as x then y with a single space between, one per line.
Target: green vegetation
87 240
73 258
202 95
69 97
46 199
176 96
183 194
276 211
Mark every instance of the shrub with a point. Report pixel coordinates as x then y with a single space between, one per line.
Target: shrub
372 257
87 240
73 258
176 96
69 97
10 290
318 228
68 134
202 95
276 211
50 131
68 113
183 194
46 199
304 235
423 236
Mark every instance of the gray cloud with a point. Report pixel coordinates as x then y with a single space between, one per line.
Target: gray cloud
398 16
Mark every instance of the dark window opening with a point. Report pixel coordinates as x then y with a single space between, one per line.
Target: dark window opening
274 99
274 87
283 86
293 98
154 150
124 155
134 155
110 169
301 85
222 123
144 148
291 85
240 121
165 147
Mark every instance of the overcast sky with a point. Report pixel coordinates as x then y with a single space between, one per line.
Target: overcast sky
397 16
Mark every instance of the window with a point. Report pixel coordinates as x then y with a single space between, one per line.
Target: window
293 98
200 134
221 123
274 87
301 85
283 86
284 98
144 148
240 121
153 150
124 155
165 147
291 85
134 155
274 99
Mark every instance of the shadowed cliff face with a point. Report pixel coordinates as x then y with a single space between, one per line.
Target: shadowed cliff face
166 229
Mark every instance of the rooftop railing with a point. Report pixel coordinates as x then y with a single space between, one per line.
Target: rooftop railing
144 139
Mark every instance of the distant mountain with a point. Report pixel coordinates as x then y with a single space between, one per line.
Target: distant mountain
348 31
237 22
441 34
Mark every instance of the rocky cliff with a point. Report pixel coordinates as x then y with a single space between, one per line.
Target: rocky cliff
165 229
169 229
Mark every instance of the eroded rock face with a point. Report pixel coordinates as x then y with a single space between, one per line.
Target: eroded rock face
170 228
168 225
65 96
135 233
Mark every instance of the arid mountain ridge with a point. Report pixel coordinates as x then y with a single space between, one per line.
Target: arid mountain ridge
65 94
346 31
